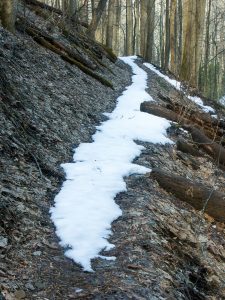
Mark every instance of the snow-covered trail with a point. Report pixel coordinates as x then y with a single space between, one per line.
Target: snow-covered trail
178 86
85 208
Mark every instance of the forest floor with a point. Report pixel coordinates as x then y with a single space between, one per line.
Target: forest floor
164 248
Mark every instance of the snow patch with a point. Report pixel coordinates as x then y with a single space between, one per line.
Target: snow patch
222 100
78 290
85 208
177 86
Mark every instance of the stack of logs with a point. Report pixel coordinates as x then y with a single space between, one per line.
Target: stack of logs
207 134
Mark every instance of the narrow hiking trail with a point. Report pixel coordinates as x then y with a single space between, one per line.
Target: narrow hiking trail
163 247
158 239
85 206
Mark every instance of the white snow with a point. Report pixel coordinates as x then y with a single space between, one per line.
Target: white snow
222 100
85 208
78 290
177 85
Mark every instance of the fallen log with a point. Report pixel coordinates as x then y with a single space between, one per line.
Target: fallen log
183 116
188 161
38 35
49 43
187 148
154 109
94 56
212 148
203 119
197 195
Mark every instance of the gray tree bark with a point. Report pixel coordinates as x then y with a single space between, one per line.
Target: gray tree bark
110 25
150 30
97 13
129 28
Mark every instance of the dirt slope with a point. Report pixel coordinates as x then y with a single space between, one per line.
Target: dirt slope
165 249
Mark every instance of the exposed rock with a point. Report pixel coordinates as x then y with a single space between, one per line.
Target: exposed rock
3 242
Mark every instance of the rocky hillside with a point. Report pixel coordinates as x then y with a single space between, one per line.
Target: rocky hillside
54 86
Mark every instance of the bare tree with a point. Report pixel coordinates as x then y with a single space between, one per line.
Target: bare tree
150 30
129 28
110 25
97 13
173 10
143 26
167 36
194 16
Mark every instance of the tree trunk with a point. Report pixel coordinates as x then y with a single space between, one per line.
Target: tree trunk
110 24
173 7
150 30
72 9
193 14
143 26
167 42
96 17
7 14
137 27
200 21
116 39
180 31
161 31
207 46
129 27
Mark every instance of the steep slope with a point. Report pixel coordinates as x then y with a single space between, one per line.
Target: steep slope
47 107
165 249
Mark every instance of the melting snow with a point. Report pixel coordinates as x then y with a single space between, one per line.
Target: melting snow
85 207
177 85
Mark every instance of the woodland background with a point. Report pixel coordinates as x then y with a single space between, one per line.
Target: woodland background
184 37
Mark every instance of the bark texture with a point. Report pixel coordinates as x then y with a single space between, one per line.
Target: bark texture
97 13
193 21
198 195
129 28
7 14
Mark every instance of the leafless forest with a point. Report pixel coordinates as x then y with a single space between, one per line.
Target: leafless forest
184 37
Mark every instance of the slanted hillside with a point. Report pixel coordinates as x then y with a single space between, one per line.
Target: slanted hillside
54 87
47 107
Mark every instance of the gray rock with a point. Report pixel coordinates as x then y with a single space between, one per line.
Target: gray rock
37 253
30 286
3 242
